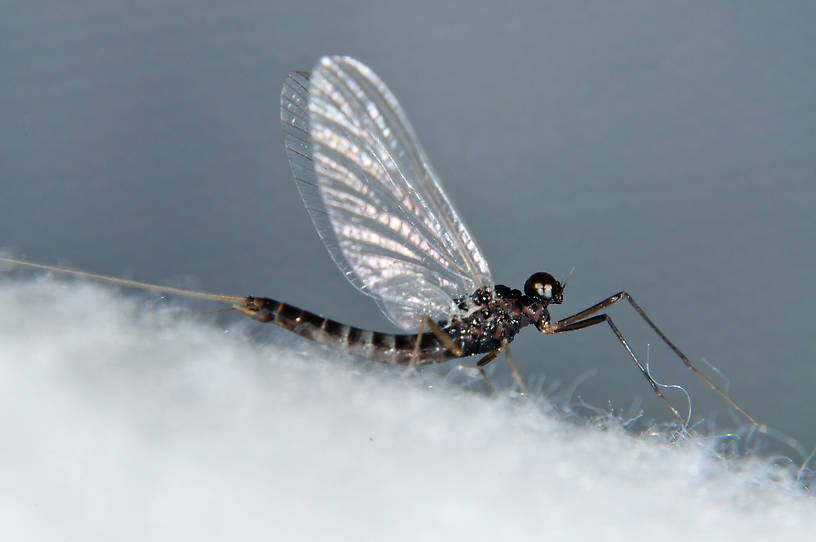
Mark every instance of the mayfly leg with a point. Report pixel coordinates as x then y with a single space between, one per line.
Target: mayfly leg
485 361
513 368
441 335
585 318
600 318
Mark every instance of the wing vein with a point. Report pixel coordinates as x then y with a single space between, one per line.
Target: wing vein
372 194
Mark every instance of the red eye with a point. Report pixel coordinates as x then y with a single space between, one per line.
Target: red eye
541 285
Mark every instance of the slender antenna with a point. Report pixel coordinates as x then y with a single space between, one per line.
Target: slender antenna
569 276
125 282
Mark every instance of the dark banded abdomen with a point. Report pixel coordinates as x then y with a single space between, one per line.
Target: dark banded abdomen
364 343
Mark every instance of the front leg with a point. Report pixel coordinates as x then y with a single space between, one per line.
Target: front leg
584 318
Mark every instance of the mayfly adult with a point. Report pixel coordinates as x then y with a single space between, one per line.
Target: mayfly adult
388 224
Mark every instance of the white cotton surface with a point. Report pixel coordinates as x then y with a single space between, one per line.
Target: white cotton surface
124 422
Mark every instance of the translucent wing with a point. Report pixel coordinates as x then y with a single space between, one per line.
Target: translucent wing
372 195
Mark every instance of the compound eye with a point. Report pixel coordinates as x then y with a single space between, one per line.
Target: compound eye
541 285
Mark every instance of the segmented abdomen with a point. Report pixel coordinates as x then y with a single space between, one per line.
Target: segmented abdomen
364 343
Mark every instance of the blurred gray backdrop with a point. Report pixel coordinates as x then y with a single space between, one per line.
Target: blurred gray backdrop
662 148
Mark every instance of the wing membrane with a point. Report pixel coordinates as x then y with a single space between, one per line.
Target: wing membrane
372 195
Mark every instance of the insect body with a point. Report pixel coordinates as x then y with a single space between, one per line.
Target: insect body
390 227
483 323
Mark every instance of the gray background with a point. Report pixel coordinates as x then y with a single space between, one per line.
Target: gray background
665 148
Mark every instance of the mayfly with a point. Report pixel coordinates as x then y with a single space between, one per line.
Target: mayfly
390 227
